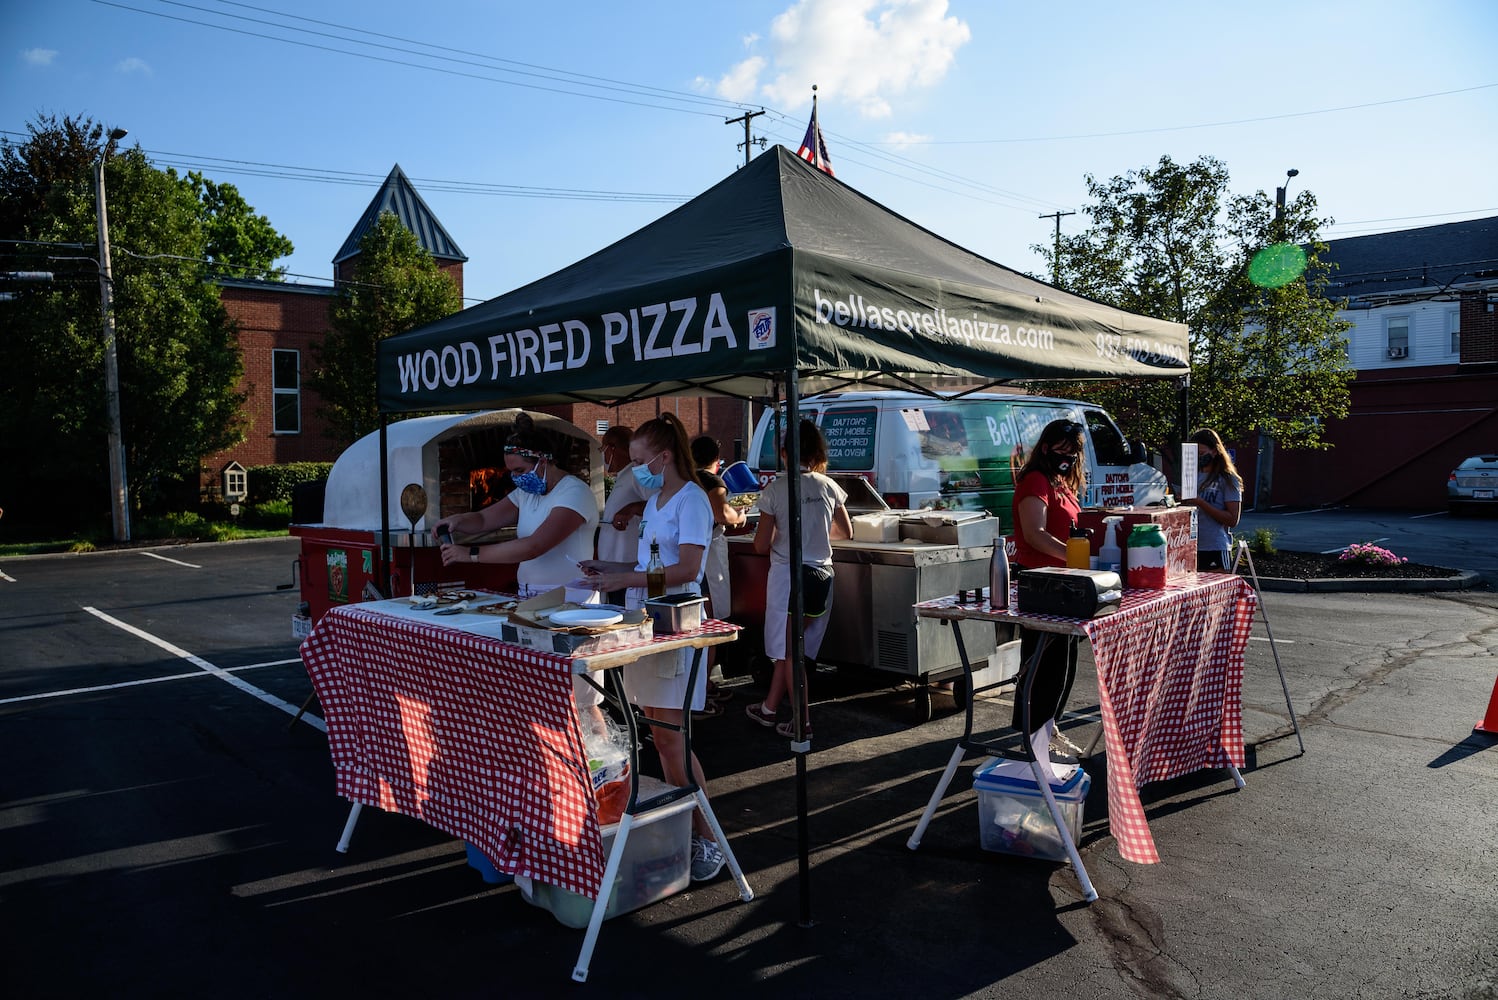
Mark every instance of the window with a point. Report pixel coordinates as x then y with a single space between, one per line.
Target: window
236 482
286 389
1454 330
1106 440
1397 335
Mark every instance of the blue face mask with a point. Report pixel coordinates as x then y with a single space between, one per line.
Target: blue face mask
530 481
649 481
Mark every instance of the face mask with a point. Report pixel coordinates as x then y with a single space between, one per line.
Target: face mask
649 481
530 481
1061 464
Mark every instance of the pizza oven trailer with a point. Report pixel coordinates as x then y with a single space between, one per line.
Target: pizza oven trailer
458 461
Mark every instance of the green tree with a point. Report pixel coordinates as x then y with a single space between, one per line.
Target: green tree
240 243
179 359
1171 241
397 287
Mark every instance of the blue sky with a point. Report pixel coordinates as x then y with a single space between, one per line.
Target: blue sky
970 118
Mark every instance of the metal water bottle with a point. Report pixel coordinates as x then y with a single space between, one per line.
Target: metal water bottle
998 576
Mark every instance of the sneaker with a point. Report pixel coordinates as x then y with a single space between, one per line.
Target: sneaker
788 730
707 859
1062 744
757 712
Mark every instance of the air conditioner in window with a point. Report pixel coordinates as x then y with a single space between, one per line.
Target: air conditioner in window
1398 352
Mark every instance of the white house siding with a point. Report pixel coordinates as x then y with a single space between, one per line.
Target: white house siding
1429 337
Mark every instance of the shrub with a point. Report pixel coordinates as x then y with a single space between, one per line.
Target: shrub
1368 554
1260 542
268 483
271 514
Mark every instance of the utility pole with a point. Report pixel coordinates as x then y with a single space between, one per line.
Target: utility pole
1056 259
1264 460
747 118
120 505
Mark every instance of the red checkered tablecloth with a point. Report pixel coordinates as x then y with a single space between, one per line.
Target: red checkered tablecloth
1170 684
474 736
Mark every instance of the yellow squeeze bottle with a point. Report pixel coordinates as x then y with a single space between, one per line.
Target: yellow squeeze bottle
1078 549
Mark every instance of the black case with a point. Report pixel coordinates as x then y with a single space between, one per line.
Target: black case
1069 593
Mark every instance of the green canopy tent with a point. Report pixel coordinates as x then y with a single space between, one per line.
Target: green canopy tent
778 277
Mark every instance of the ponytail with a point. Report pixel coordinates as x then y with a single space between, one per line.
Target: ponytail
667 433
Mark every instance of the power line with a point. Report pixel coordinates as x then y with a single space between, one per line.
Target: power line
718 104
1186 128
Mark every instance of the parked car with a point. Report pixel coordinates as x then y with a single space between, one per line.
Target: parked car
1473 484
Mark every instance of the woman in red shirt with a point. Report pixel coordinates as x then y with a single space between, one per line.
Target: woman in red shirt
1045 508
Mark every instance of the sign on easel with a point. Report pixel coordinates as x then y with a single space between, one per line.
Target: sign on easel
1188 471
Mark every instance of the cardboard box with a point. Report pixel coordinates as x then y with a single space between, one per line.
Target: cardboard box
876 527
1013 817
524 629
1176 522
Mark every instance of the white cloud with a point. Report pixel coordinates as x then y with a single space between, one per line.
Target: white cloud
38 57
904 140
134 65
859 52
741 82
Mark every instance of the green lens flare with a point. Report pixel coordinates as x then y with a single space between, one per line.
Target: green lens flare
1277 265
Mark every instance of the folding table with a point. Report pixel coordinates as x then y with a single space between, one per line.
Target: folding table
1170 675
441 720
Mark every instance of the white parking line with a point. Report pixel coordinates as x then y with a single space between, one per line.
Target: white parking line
1265 638
195 675
179 562
215 671
7 579
1439 513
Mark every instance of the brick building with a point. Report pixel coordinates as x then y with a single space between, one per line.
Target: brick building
279 322
1424 343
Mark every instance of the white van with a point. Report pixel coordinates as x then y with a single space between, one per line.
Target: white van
960 454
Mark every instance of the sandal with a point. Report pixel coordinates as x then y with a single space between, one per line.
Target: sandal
719 695
757 712
788 730
709 710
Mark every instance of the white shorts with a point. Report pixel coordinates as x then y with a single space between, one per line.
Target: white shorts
660 680
777 601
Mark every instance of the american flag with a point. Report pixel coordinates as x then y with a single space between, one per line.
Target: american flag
814 148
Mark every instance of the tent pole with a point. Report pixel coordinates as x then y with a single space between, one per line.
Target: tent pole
382 571
795 636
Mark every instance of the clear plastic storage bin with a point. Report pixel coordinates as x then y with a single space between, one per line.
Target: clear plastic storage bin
657 862
1012 814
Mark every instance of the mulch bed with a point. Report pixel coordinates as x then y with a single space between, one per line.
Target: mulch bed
1315 566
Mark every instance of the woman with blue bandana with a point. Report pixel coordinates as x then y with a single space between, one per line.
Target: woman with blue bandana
553 513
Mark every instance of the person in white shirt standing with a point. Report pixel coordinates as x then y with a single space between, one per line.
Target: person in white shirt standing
679 520
823 518
553 513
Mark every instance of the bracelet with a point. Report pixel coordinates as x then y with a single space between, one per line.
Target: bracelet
473 553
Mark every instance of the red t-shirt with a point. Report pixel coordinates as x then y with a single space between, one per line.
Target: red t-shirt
1061 510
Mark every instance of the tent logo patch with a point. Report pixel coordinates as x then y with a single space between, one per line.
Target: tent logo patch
761 329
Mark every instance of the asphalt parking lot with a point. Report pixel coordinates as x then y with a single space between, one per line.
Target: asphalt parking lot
164 833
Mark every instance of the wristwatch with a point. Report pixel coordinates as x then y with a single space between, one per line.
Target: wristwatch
473 553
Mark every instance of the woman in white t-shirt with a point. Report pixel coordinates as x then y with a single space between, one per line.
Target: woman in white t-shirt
554 514
678 518
823 518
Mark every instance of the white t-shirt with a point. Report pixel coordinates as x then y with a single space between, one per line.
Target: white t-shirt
820 497
558 566
687 519
620 546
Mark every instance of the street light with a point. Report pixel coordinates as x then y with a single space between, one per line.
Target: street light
120 507
1279 195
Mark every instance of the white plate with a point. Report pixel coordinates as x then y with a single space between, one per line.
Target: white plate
587 617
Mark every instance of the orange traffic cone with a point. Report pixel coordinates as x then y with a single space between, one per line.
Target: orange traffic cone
1489 723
